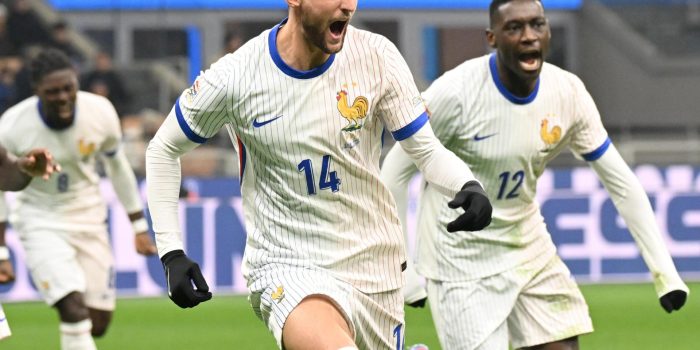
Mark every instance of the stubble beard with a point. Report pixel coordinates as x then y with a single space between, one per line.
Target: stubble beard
317 37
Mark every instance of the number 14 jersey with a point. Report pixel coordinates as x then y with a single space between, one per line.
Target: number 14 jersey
309 144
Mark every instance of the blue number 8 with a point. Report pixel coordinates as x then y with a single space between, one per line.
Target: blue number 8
62 182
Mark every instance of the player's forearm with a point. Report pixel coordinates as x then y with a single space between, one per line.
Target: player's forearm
11 177
632 203
440 167
123 181
163 183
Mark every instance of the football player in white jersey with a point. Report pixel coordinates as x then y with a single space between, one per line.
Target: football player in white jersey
325 251
62 222
506 115
15 174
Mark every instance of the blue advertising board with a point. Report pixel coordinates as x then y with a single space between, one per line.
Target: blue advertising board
590 236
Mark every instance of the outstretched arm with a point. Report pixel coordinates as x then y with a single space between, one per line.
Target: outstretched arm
632 203
16 173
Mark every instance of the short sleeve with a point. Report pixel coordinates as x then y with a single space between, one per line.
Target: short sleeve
444 105
202 109
401 107
590 139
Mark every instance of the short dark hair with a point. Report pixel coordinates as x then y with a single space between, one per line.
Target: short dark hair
47 62
493 8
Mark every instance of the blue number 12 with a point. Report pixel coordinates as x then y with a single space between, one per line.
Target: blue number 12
328 180
505 177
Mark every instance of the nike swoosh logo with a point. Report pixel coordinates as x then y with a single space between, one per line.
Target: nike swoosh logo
480 138
257 124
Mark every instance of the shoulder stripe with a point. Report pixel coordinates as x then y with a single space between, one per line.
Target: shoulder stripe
411 128
186 127
598 152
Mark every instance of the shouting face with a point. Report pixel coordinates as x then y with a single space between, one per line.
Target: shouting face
520 33
325 22
57 92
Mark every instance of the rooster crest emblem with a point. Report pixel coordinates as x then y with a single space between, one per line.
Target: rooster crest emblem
278 294
85 148
549 137
352 113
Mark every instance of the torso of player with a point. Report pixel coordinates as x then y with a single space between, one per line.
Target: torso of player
309 145
507 142
71 195
507 145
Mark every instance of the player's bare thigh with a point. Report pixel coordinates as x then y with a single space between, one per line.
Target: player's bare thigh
316 323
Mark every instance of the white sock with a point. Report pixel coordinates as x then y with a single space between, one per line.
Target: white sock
4 326
76 336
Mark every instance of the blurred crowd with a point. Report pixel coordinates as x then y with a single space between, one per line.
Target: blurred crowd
23 33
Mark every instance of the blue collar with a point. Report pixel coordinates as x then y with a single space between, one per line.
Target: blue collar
504 91
299 74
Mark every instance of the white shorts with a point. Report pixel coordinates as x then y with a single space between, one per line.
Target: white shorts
376 320
63 262
527 306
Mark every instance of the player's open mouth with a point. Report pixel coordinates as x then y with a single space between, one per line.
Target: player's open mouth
530 61
337 28
64 111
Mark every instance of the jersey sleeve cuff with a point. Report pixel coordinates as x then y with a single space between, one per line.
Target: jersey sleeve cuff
186 127
598 152
411 128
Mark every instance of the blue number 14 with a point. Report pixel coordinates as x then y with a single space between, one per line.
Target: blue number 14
328 180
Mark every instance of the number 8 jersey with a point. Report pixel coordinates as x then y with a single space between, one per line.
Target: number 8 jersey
309 144
69 200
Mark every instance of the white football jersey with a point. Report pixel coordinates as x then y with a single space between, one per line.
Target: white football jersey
309 144
507 142
69 200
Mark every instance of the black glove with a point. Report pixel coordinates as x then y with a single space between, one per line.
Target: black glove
673 300
476 205
181 273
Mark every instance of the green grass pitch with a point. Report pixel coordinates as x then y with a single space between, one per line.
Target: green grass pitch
625 317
